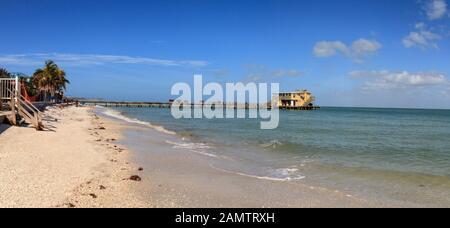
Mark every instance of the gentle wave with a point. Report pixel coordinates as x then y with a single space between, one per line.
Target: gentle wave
287 171
118 115
298 177
274 144
193 147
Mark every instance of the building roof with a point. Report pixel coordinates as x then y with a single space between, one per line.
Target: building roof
299 91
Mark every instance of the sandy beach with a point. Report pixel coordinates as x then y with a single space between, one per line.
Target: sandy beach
85 158
72 163
77 162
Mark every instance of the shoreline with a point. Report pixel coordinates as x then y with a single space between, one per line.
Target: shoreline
74 162
183 178
85 159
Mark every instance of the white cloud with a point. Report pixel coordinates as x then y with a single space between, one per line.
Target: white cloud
329 48
423 38
403 89
93 59
435 9
420 26
400 80
357 50
363 46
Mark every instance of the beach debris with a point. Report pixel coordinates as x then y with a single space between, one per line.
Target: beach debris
93 195
140 169
102 128
135 178
101 187
113 160
70 205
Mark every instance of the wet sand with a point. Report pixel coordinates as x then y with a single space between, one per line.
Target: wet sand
175 177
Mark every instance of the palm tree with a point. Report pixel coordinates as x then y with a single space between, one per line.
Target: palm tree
4 73
50 79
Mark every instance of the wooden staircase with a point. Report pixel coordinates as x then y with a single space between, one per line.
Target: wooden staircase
15 107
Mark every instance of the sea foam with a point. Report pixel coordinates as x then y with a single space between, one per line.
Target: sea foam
269 178
198 148
272 144
118 115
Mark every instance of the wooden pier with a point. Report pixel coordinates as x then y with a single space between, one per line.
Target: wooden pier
169 105
126 104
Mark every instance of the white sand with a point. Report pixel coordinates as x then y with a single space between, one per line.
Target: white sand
70 164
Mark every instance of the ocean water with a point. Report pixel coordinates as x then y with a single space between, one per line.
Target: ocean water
390 154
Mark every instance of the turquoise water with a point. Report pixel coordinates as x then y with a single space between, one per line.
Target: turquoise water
362 150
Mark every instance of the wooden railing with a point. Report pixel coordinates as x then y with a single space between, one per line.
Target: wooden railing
33 108
7 85
26 109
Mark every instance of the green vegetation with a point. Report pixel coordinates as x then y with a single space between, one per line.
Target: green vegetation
48 82
4 73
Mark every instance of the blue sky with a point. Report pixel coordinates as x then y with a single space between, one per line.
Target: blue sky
378 53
